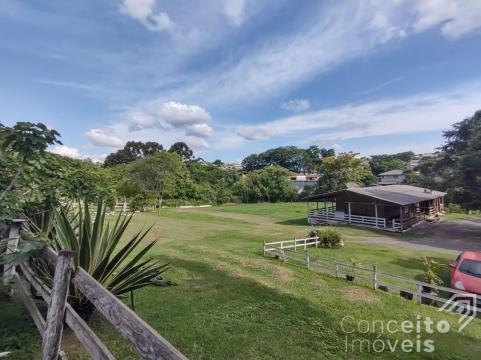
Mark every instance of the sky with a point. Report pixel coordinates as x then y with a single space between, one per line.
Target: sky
235 77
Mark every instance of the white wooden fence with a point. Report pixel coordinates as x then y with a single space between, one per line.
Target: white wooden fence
317 216
296 252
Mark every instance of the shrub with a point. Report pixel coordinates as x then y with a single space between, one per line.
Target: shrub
328 238
455 208
120 267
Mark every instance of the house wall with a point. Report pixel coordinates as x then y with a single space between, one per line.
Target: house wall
391 179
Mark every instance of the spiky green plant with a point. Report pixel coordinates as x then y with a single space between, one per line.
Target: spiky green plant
119 266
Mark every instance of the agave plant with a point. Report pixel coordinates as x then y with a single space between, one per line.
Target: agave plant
119 266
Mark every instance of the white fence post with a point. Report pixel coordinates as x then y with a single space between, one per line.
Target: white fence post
12 245
295 245
374 280
419 293
307 260
282 250
264 248
337 269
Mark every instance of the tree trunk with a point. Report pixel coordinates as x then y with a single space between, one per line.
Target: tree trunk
12 183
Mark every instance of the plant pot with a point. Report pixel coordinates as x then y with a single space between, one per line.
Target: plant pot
406 294
349 277
427 290
383 288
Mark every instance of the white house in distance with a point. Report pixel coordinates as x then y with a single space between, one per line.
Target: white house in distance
300 181
393 177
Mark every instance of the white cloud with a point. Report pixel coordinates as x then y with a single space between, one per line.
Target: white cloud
64 150
196 143
456 17
100 137
333 34
295 105
193 119
234 10
422 112
141 120
199 130
74 153
145 12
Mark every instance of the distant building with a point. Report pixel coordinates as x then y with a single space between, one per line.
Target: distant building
235 166
300 181
393 177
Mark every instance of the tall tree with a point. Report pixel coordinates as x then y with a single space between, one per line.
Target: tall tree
163 173
336 172
460 163
132 151
383 163
183 150
289 157
268 184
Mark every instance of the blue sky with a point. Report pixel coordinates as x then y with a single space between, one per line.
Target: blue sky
232 77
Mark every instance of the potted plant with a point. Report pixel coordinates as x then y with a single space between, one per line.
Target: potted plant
406 294
383 288
350 276
430 277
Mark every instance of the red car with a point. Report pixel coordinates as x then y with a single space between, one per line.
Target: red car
466 272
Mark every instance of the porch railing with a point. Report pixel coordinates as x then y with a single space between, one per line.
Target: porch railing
317 216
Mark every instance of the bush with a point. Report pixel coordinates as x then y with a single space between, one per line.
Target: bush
329 238
455 208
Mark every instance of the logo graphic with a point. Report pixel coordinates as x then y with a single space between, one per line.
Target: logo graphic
465 305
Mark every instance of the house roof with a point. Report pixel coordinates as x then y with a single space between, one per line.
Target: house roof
396 194
392 172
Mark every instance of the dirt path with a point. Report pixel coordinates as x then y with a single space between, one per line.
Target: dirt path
445 235
254 219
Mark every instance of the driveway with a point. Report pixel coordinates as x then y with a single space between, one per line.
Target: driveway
447 235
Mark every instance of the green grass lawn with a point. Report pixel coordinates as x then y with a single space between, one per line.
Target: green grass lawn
462 216
230 302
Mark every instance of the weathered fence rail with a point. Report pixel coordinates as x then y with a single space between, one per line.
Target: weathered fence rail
146 341
422 292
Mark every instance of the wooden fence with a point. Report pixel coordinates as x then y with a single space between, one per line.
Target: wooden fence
320 215
146 341
296 252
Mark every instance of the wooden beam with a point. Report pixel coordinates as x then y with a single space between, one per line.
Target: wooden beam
349 210
148 343
90 341
401 218
30 305
12 245
56 308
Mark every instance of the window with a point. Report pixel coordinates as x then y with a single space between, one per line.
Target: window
471 267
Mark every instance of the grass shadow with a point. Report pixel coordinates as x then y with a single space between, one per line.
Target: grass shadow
299 221
444 272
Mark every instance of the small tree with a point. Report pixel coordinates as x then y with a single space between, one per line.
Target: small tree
162 173
183 150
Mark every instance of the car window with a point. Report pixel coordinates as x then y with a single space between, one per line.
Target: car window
471 267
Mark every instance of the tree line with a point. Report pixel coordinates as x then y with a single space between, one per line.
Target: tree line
147 175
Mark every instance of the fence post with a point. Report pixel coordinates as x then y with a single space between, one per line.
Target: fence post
337 269
282 250
307 259
305 244
56 308
264 248
419 293
12 245
295 245
374 279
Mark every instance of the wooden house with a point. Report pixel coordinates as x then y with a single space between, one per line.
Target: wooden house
390 207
